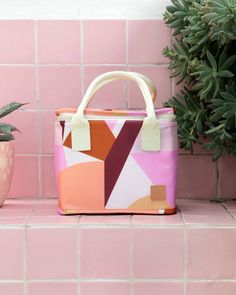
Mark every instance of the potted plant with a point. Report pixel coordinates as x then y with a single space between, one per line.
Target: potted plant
6 150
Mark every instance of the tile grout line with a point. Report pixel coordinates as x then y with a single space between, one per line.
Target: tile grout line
131 256
78 255
82 57
126 64
38 151
119 226
185 260
26 248
25 263
172 79
185 250
126 280
218 192
88 64
38 113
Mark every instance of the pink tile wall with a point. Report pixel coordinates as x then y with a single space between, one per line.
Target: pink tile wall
152 255
12 262
56 256
52 67
104 253
12 288
58 288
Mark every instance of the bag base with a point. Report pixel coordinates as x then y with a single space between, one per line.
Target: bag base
168 211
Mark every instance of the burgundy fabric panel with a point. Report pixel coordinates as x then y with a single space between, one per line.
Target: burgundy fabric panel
118 154
62 123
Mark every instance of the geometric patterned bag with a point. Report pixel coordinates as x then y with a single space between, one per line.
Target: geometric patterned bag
110 161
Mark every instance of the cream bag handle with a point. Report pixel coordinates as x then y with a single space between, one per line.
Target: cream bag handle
149 82
150 131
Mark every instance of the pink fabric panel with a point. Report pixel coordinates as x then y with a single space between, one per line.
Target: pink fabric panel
169 140
161 168
60 162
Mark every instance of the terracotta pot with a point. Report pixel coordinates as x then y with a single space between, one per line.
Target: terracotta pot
6 168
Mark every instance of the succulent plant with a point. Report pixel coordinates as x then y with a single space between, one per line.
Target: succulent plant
203 58
5 128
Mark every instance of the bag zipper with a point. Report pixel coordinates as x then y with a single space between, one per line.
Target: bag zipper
67 117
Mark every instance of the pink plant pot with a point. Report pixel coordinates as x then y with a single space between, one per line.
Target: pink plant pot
6 168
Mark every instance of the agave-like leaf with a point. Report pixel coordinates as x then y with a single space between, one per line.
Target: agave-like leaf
6 137
9 108
7 128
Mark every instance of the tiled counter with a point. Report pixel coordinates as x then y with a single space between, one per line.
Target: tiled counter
190 253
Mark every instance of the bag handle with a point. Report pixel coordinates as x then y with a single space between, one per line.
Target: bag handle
151 86
150 131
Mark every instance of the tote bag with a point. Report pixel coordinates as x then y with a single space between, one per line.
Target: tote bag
116 161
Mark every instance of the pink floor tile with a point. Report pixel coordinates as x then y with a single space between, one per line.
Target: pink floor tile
56 250
12 288
227 176
52 288
26 139
48 182
16 221
104 253
46 213
160 77
12 249
47 125
158 253
211 253
197 177
59 41
111 95
211 288
204 212
104 288
104 42
146 40
45 207
17 208
25 177
18 84
16 34
104 219
59 87
15 212
151 288
57 220
174 219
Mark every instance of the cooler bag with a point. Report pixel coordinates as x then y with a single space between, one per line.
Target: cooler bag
110 161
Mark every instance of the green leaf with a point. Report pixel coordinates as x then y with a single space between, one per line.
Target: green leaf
225 74
9 108
7 128
214 129
228 63
6 137
212 61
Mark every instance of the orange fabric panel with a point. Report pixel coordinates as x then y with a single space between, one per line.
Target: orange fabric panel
148 203
102 140
81 186
67 142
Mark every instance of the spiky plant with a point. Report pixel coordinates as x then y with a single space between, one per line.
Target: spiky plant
5 128
203 58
